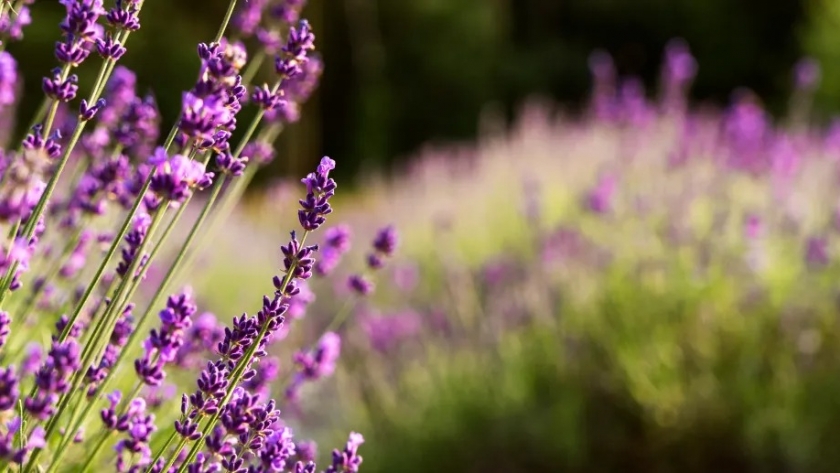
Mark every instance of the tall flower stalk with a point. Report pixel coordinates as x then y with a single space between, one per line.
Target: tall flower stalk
86 248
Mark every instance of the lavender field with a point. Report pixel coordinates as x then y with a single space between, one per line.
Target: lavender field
643 285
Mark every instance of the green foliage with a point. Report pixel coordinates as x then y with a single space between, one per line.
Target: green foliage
821 38
648 379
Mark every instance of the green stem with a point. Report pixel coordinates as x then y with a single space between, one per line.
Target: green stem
130 280
253 67
232 195
53 271
102 78
162 450
113 249
91 455
225 21
68 439
6 281
94 341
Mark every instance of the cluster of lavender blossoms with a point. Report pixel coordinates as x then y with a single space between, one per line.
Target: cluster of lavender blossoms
88 197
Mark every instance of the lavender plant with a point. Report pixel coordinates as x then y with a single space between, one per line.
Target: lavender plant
90 198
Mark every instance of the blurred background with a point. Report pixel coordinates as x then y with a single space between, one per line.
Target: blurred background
620 261
402 74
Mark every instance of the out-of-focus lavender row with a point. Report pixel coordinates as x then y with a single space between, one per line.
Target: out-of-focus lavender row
668 269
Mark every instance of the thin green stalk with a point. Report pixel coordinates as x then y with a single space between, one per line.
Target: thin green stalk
225 21
6 281
91 455
158 294
53 271
39 114
94 340
98 87
74 426
162 450
130 280
232 196
113 249
179 258
253 67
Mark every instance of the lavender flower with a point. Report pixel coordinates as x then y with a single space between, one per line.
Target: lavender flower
8 79
319 189
806 74
336 243
134 240
317 364
176 178
5 323
347 460
52 379
163 344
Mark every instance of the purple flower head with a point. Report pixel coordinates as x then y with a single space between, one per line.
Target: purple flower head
5 327
59 88
633 104
227 164
124 15
110 48
599 200
321 362
336 243
277 450
816 252
81 17
753 227
32 360
386 333
299 42
119 93
201 338
338 238
806 74
270 40
300 87
175 178
316 364
53 378
8 79
162 345
248 18
287 11
680 66
297 259
306 451
258 151
9 389
319 189
11 26
201 116
360 284
386 241
265 374
347 460
133 241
